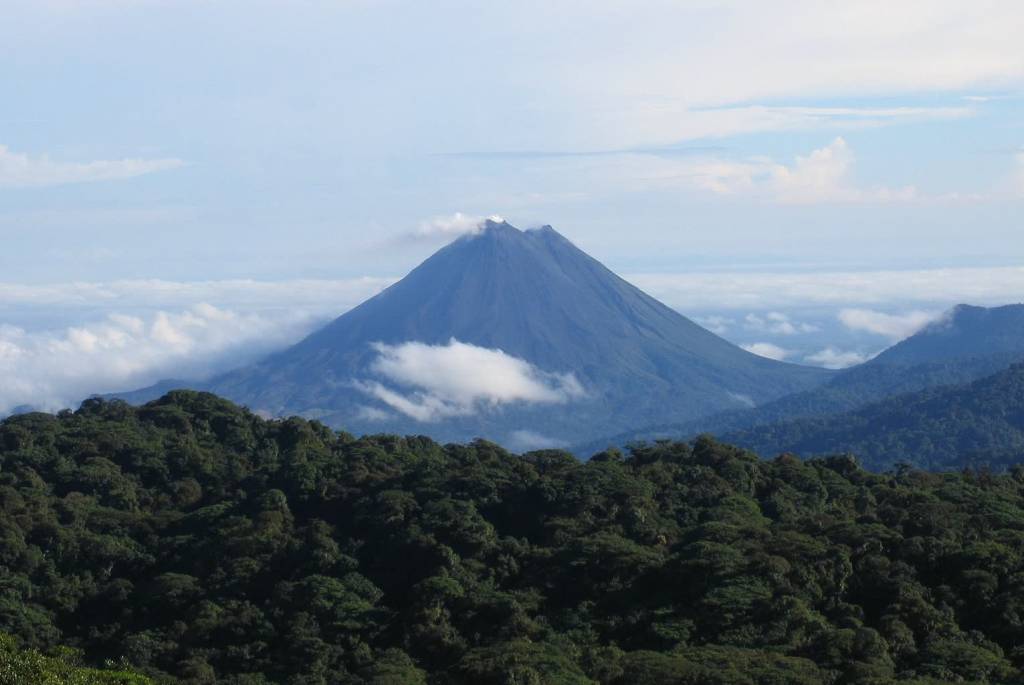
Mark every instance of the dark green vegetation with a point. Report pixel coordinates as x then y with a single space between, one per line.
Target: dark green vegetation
203 544
968 344
536 296
30 667
978 424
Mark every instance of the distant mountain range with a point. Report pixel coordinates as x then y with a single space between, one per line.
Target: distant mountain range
973 424
569 350
967 344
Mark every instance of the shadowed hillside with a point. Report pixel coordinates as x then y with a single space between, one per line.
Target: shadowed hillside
968 344
940 428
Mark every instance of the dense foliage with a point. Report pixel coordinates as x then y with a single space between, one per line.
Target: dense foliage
30 667
848 391
203 544
976 424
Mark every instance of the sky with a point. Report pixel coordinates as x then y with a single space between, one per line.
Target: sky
185 184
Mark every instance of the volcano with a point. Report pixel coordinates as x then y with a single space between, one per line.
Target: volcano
516 336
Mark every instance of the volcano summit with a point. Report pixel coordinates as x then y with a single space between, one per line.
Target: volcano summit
516 336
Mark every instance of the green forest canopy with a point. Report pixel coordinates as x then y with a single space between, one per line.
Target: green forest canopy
20 666
943 428
199 543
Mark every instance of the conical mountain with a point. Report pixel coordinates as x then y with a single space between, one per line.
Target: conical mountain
582 351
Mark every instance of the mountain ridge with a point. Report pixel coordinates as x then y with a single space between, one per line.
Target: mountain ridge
967 344
940 428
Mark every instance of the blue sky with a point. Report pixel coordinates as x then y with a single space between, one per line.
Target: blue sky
281 161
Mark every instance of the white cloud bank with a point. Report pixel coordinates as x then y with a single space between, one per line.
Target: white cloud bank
22 171
319 296
712 291
51 370
459 379
892 326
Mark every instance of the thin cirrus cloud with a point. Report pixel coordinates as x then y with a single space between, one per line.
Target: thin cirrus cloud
652 89
18 170
869 46
860 49
689 124
708 123
54 369
436 382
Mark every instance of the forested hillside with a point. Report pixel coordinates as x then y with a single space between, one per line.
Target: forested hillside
977 424
202 544
967 344
30 667
850 390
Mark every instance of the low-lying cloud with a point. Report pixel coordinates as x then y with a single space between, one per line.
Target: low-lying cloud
709 291
832 358
719 325
23 171
52 370
525 440
777 323
435 382
335 295
893 326
769 350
